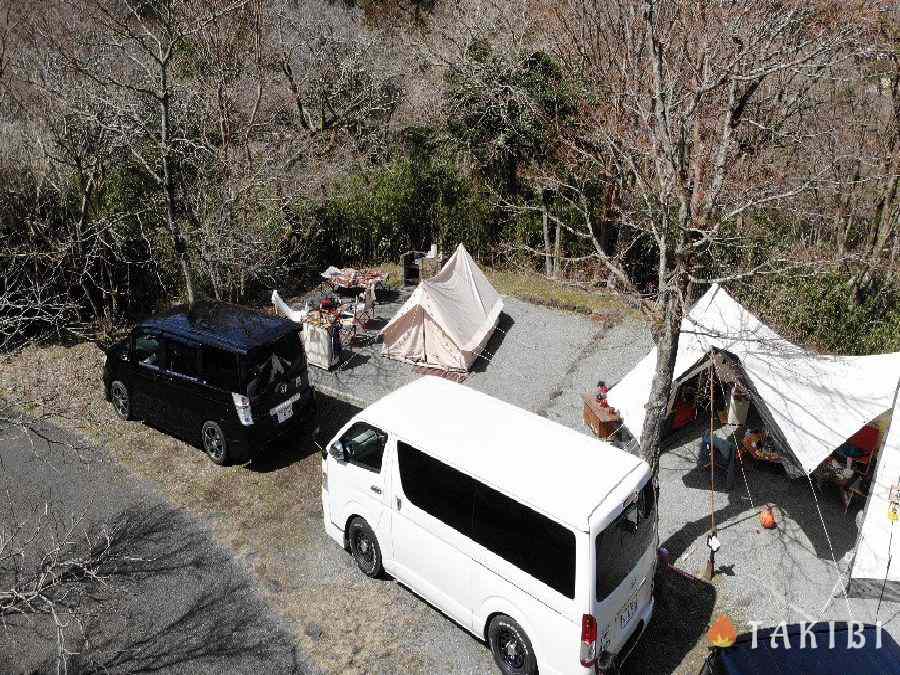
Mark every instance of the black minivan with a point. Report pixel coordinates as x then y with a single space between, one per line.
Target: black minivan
226 376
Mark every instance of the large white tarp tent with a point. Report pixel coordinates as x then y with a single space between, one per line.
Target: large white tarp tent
875 572
816 402
447 320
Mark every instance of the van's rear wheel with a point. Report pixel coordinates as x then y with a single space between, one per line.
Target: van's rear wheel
511 647
364 547
214 443
118 394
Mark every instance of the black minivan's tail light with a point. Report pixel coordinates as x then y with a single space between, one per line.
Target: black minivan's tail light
242 406
588 640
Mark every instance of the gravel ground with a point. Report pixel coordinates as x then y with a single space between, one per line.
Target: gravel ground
785 574
531 360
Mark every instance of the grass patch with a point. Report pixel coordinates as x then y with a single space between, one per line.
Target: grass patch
538 289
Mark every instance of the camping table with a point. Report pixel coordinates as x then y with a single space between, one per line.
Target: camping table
350 278
603 420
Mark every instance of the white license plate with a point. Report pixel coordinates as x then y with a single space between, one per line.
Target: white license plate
629 609
284 411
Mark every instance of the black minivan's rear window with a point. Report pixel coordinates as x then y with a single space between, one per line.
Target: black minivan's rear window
266 366
220 368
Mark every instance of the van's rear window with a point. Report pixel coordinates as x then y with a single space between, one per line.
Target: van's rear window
623 542
265 367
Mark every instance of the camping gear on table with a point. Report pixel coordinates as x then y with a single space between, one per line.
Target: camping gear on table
321 338
603 420
351 278
447 320
760 447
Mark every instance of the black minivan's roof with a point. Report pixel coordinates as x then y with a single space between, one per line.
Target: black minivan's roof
219 324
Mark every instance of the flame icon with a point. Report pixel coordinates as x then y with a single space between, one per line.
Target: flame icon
722 632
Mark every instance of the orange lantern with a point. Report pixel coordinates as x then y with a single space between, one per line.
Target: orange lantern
767 517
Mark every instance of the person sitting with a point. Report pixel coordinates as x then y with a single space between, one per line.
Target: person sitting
723 440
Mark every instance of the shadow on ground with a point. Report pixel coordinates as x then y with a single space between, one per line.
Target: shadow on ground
504 324
332 415
769 484
684 605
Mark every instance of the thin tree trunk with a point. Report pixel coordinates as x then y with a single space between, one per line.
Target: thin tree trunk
178 241
557 251
548 261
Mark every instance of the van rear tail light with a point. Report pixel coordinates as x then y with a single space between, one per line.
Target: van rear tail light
588 640
242 405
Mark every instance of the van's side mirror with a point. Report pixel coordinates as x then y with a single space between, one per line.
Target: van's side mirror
337 451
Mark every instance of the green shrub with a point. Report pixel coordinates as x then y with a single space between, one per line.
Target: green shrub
826 312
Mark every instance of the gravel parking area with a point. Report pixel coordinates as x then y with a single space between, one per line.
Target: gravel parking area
536 355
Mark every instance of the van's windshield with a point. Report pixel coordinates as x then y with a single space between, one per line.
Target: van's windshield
623 542
265 367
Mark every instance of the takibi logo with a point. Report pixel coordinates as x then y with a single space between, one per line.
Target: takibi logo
722 632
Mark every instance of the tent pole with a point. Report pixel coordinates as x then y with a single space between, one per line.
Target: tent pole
710 571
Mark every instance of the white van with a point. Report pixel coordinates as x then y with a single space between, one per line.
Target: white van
536 538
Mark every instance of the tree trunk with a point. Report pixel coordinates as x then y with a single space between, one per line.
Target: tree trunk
557 251
666 351
178 241
548 261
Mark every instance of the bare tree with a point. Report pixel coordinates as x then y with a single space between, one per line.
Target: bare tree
84 581
132 53
696 132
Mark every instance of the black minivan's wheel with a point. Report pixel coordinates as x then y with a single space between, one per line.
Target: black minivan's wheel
118 394
511 647
364 547
214 443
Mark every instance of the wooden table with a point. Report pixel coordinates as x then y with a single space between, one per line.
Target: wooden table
603 420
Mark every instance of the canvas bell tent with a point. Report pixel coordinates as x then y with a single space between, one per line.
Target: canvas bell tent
447 320
810 402
875 572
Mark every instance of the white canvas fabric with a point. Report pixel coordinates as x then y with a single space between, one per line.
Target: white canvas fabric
447 320
817 401
281 307
876 566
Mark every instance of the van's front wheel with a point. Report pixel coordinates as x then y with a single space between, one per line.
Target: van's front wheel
364 547
511 647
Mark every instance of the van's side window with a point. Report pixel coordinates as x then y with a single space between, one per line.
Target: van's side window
529 540
219 368
439 490
182 358
364 446
147 349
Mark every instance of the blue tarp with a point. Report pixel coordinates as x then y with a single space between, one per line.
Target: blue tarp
824 659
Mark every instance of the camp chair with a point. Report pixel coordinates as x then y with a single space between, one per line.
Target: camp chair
365 308
729 465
